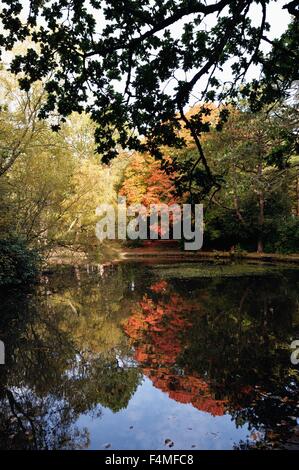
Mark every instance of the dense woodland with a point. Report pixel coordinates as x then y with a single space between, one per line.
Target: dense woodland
70 141
158 101
51 182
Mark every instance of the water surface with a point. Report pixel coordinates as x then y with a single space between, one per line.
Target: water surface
151 356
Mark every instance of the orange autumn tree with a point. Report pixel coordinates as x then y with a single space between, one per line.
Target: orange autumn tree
155 329
146 183
205 113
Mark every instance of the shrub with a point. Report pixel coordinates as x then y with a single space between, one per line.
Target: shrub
288 236
19 264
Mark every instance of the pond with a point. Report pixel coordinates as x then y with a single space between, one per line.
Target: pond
152 356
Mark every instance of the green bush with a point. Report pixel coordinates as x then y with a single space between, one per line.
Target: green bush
19 264
279 232
288 236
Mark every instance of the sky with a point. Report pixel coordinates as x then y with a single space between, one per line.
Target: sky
276 17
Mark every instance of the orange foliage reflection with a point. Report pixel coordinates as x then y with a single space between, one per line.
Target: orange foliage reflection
157 326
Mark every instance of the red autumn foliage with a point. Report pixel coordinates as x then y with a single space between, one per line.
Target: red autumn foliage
155 328
159 286
146 183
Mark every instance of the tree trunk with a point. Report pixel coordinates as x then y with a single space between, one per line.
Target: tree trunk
236 198
261 218
237 208
297 195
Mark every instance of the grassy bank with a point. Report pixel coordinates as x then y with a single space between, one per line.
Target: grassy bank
137 253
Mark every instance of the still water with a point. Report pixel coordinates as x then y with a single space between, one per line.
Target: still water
151 356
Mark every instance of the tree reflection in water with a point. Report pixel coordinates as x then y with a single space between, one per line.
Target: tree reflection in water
66 355
83 340
225 349
158 327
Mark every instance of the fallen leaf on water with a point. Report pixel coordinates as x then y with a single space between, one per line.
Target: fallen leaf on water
169 442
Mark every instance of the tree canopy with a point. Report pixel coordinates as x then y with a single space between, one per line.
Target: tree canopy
134 65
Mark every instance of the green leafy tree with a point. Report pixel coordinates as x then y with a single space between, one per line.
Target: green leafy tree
255 154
